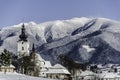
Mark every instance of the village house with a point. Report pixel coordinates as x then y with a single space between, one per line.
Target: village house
117 77
58 72
105 72
108 76
87 75
5 69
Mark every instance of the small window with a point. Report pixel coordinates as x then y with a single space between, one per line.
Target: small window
22 48
22 42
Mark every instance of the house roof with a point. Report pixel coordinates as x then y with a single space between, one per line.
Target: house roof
57 69
118 75
47 64
87 73
38 57
58 66
108 75
11 66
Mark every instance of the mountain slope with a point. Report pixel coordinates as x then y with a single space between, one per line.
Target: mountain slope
83 39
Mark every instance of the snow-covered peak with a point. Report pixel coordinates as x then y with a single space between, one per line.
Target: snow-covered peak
82 20
32 23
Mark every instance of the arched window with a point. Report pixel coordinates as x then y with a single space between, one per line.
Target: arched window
22 48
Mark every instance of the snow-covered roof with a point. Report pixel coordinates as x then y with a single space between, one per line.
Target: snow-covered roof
11 66
99 66
38 57
57 69
47 64
58 66
42 62
87 73
107 75
118 75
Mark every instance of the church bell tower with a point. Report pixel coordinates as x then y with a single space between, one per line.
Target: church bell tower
23 44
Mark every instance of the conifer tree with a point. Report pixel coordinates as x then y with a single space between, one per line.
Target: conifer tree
5 58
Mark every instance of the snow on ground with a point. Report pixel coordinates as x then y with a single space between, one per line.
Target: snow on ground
88 48
16 76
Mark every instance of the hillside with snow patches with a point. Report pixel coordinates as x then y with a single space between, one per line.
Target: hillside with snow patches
95 40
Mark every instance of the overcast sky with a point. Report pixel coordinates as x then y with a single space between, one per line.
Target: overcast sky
16 11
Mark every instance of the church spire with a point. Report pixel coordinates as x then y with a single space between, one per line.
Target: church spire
32 54
33 48
23 36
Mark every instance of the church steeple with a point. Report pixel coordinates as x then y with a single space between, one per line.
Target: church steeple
32 54
23 36
33 48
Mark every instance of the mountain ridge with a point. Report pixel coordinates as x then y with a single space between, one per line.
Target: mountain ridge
58 37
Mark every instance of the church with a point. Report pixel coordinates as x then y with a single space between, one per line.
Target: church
28 63
31 63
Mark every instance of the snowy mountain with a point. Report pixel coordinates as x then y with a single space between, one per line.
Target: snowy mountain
83 39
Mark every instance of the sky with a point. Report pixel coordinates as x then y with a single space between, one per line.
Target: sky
13 12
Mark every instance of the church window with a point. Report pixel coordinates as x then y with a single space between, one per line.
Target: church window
22 48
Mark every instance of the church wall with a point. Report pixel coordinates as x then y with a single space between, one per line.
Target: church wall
23 47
